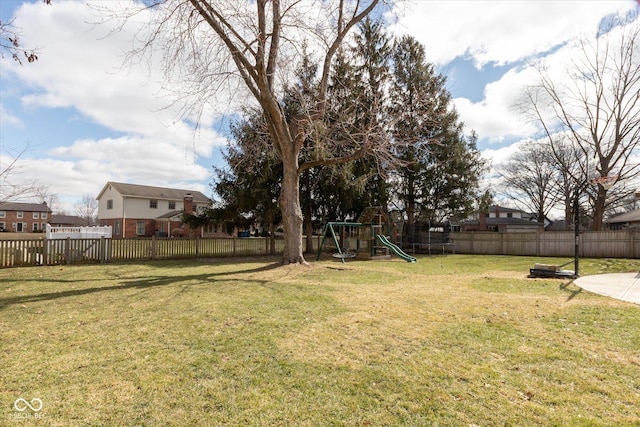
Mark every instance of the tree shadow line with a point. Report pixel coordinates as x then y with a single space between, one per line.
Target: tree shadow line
146 283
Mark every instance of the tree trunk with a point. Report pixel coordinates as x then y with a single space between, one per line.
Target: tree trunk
598 211
308 212
568 211
411 209
291 212
272 237
309 234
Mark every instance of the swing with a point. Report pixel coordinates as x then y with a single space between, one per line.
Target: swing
348 253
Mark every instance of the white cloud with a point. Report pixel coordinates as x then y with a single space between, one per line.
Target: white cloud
500 31
80 67
495 118
9 119
86 165
500 156
120 159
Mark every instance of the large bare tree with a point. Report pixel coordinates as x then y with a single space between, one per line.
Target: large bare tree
86 208
530 177
598 108
259 42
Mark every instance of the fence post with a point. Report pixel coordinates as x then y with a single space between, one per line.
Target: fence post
101 250
45 251
234 246
197 246
67 251
153 247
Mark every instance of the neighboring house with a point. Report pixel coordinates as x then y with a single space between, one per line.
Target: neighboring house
560 225
503 220
624 221
143 211
24 217
67 221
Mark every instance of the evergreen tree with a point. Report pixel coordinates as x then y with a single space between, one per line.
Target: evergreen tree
250 184
442 167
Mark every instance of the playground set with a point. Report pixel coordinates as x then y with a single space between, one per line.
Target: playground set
365 239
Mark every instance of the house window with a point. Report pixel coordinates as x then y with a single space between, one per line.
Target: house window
43 215
35 226
36 215
19 214
3 214
110 204
172 205
116 228
3 226
153 204
140 228
509 215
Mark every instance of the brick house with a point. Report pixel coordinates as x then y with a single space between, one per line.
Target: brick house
24 217
143 211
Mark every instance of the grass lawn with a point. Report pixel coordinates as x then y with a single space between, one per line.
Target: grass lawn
5 235
451 341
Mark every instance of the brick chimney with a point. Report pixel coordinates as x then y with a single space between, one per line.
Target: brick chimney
188 203
482 221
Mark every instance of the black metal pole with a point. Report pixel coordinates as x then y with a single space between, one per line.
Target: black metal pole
576 222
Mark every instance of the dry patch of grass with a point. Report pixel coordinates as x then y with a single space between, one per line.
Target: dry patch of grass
455 340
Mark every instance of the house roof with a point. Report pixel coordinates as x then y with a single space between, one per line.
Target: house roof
633 216
492 209
506 221
24 207
372 213
149 192
170 215
68 219
558 225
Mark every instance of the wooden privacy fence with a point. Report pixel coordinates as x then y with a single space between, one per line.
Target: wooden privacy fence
69 251
592 244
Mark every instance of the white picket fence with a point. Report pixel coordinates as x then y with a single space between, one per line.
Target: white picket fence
79 232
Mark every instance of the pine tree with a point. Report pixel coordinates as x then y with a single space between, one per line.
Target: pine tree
442 167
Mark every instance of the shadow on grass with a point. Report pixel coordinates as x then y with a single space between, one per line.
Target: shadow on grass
150 282
572 292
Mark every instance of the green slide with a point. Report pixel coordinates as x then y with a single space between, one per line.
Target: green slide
395 249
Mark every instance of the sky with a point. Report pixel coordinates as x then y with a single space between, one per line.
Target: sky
86 117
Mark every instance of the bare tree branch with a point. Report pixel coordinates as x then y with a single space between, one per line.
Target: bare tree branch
599 109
